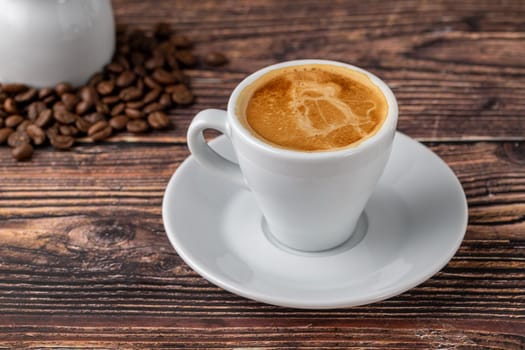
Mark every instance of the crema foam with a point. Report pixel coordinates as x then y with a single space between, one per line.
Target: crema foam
313 107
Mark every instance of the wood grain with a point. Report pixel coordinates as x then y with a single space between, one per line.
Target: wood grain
454 67
97 251
84 259
300 333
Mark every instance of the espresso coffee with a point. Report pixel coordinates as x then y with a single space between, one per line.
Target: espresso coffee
313 107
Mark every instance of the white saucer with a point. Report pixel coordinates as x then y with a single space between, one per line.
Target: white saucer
412 226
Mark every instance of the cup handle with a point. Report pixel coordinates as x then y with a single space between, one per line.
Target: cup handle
215 119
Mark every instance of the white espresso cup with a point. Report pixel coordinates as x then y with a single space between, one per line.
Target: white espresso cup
311 201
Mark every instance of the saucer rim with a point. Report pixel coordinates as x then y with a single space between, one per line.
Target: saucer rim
342 302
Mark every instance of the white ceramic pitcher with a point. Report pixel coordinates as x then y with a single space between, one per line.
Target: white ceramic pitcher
44 42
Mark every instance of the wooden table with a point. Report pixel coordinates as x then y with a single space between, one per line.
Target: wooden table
84 259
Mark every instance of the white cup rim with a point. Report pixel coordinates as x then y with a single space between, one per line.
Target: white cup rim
388 126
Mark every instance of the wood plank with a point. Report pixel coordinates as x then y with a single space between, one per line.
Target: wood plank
124 177
303 333
82 234
457 69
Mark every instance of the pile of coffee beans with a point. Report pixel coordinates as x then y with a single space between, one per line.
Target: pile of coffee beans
144 79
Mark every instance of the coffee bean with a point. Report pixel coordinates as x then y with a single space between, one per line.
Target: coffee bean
123 62
83 106
68 130
102 134
111 100
62 88
34 109
62 142
163 77
17 138
119 122
36 134
130 93
140 71
82 125
215 59
44 118
4 134
1 122
22 152
165 100
88 94
135 104
181 95
59 106
70 101
114 67
152 84
23 125
154 62
125 79
186 58
140 84
65 117
13 120
52 131
133 113
13 88
49 99
152 107
137 126
26 96
180 41
158 120
10 106
152 95
45 92
98 126
94 117
102 108
105 87
117 109
95 79
171 88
